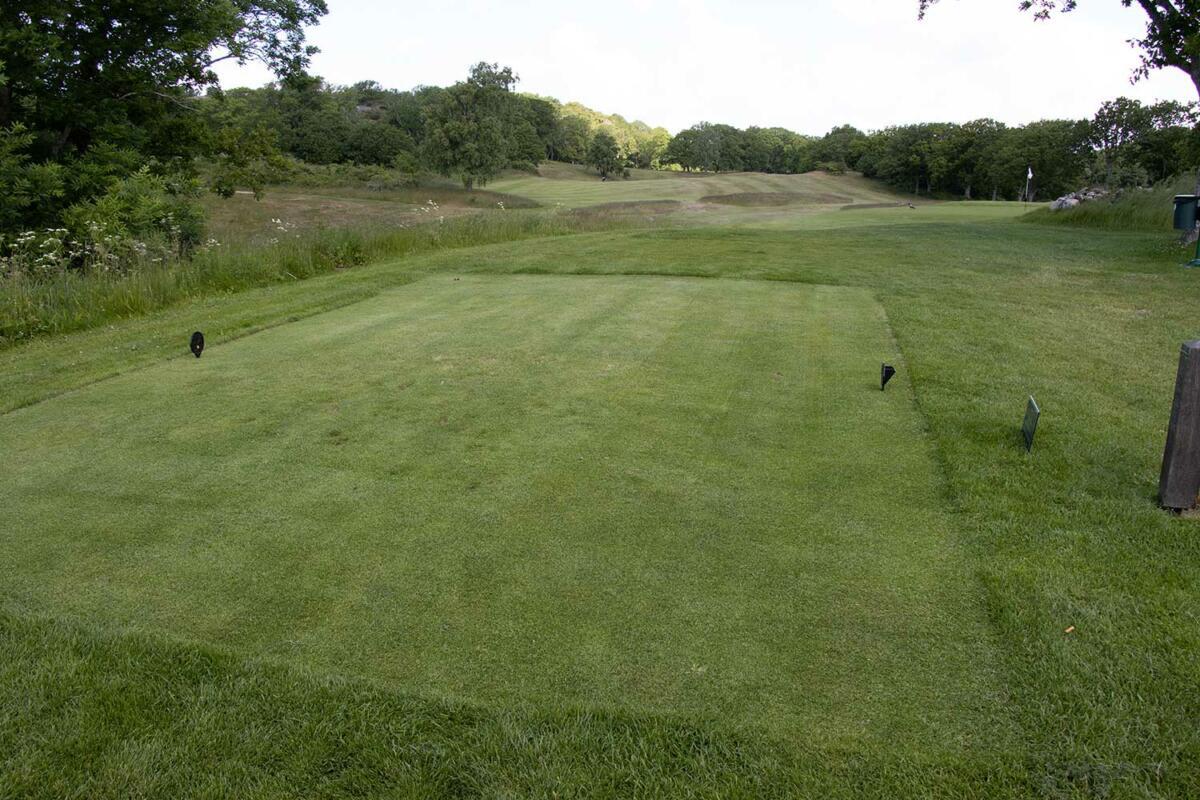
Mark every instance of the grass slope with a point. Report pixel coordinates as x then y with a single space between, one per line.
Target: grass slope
85 712
1129 210
300 209
571 186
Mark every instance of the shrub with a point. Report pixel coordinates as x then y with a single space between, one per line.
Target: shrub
338 249
142 207
373 143
29 190
37 254
832 167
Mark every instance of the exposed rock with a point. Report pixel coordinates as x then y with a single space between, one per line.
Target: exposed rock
1075 198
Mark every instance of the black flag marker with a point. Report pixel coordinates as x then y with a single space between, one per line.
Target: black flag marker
1029 427
886 371
197 345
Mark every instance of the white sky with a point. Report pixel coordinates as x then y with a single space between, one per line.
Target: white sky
806 65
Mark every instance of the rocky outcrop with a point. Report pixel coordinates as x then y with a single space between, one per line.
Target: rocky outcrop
1075 198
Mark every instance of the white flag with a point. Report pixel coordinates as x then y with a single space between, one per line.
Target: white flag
1030 176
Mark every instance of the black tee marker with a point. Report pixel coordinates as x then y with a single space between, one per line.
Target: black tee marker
886 371
197 345
1029 427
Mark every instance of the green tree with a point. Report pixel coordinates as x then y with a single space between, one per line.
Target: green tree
1117 124
375 143
649 147
707 147
1127 133
30 190
105 88
903 156
797 156
406 110
767 150
241 145
543 119
976 145
842 145
570 140
717 148
1163 151
603 154
682 150
629 136
1057 150
465 126
310 123
731 148
528 130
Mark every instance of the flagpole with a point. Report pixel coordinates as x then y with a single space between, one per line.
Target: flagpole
1028 181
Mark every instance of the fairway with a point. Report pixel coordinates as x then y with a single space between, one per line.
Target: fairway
652 494
573 187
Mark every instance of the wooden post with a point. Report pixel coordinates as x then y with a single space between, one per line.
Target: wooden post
1180 481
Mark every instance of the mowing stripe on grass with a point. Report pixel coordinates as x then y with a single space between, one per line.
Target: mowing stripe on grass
665 495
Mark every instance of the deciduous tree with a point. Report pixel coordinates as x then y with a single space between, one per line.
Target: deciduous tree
104 88
603 154
465 126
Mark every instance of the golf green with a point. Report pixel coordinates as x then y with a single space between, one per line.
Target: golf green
639 493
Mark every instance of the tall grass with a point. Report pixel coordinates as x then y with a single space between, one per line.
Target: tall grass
397 184
73 300
1132 210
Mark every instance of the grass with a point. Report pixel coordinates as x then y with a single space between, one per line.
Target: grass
73 301
767 198
1131 210
400 408
574 187
878 586
242 218
87 711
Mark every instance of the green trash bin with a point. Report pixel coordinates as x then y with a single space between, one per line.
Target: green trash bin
1185 212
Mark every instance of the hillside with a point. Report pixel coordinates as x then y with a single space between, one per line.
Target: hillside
1129 210
576 186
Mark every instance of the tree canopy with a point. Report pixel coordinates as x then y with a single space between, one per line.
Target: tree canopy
93 92
465 125
603 154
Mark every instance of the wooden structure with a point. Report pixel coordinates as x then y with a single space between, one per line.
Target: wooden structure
1179 484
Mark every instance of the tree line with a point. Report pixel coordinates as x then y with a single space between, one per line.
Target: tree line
471 130
481 126
1125 144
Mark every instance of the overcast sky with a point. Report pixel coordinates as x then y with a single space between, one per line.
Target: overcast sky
806 65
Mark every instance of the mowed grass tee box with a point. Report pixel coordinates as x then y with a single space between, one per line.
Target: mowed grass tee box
653 494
